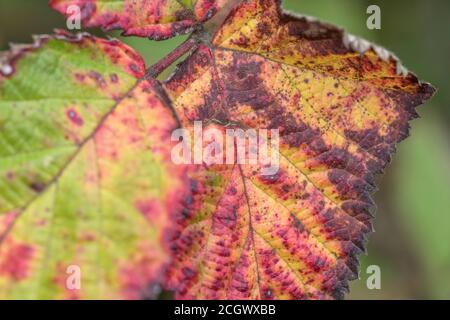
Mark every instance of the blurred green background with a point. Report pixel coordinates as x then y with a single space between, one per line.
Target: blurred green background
412 245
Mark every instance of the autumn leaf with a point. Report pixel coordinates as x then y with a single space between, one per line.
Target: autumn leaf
154 19
86 181
340 105
89 186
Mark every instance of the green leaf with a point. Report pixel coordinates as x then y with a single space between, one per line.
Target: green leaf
86 188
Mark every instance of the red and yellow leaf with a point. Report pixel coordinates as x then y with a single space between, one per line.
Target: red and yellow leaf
155 19
340 112
88 185
86 181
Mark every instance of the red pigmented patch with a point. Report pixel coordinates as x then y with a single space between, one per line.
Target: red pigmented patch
9 176
42 222
6 221
138 275
149 208
80 77
114 78
74 117
88 237
14 263
98 78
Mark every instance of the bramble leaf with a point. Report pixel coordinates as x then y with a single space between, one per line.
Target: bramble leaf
340 104
154 19
86 185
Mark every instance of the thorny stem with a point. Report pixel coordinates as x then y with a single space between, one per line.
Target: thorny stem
198 36
156 69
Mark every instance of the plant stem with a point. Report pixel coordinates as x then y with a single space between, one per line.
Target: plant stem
156 69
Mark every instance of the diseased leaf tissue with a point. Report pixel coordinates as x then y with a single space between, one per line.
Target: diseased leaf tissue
86 176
